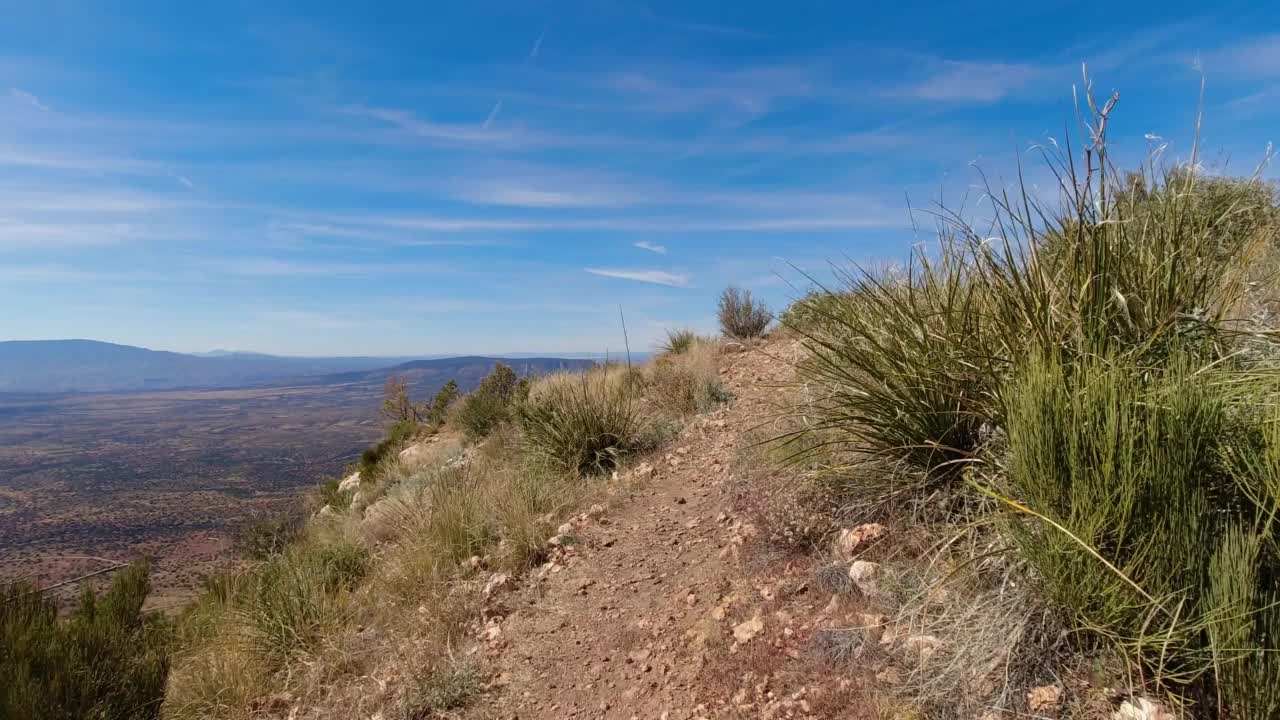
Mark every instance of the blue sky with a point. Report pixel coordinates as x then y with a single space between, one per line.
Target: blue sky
483 176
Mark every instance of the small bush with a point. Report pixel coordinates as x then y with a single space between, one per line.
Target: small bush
105 659
687 383
581 423
741 316
269 535
680 341
490 404
445 689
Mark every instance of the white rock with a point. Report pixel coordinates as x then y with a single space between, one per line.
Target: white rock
1044 699
565 529
497 581
349 483
744 631
863 574
1140 709
851 540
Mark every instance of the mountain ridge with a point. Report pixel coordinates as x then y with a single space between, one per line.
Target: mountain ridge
80 365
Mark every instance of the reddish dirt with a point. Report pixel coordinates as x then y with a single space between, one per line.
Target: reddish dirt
655 610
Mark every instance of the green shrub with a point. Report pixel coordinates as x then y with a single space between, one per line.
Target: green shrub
1153 514
1084 360
490 404
810 310
906 369
741 316
582 423
912 362
105 659
267 535
444 689
444 398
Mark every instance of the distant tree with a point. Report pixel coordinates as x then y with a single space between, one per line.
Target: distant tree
396 405
439 409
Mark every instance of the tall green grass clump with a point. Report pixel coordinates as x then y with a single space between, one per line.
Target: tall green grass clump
741 315
680 341
914 360
295 599
105 659
1153 500
582 423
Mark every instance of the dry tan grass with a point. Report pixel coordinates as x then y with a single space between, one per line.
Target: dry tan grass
436 523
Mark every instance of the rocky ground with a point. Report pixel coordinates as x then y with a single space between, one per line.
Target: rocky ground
660 606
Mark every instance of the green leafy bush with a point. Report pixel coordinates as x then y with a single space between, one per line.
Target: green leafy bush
104 659
490 404
440 404
741 316
1083 360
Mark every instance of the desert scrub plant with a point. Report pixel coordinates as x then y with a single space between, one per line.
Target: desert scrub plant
914 360
901 362
105 659
680 341
742 316
686 383
1146 501
444 689
266 535
444 398
582 423
295 600
489 405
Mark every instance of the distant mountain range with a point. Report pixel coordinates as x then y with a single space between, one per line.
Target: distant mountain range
43 366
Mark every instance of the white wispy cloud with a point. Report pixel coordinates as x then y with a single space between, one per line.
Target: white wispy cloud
411 123
275 267
973 81
657 277
1257 56
651 247
493 115
546 195
26 98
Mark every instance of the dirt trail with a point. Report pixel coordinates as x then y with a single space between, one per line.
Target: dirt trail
650 612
